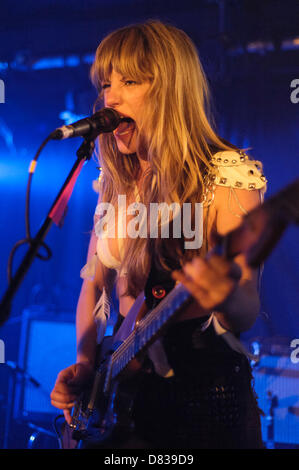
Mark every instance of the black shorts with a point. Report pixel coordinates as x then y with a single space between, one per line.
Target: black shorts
209 402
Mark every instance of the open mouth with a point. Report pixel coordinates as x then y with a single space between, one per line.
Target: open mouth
126 126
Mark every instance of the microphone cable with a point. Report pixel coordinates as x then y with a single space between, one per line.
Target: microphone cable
28 239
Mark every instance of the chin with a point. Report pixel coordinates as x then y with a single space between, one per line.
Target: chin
127 146
126 150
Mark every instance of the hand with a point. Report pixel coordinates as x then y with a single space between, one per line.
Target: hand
69 385
210 281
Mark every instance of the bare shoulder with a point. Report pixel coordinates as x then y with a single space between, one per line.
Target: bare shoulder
231 206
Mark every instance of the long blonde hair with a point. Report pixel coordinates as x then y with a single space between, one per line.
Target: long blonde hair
177 129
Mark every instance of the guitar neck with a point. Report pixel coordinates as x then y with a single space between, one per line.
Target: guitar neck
256 236
148 328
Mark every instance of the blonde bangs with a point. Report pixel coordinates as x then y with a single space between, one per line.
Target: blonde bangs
127 52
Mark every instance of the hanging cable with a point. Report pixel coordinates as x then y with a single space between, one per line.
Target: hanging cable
28 238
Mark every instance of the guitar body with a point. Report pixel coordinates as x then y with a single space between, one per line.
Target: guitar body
111 424
103 417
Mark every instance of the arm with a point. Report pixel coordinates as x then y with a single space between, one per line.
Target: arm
229 288
239 311
85 325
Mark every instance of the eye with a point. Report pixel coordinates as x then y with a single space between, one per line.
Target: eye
105 85
129 82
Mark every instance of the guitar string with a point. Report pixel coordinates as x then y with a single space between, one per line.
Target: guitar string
154 315
141 328
144 322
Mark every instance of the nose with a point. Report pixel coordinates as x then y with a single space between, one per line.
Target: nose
112 96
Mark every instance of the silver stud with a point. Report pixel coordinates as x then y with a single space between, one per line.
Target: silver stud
251 186
223 180
238 184
225 161
234 161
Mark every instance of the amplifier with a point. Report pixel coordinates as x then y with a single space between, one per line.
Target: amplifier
47 345
276 382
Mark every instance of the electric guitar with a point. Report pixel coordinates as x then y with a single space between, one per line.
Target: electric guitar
102 417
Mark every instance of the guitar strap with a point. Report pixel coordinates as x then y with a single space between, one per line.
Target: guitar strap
159 282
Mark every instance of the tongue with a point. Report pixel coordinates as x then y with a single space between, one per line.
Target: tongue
124 126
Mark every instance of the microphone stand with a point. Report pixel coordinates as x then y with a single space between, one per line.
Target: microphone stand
15 371
55 214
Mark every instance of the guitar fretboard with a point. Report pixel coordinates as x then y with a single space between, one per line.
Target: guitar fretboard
147 328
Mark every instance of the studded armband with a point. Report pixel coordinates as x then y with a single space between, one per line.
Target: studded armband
235 170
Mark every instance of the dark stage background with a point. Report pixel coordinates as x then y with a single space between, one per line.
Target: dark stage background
250 51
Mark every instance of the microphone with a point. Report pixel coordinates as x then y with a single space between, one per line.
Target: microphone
105 120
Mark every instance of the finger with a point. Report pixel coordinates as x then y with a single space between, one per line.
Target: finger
208 300
201 296
67 385
65 375
62 405
211 276
65 389
67 415
214 263
63 397
191 286
195 269
226 268
201 273
219 264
